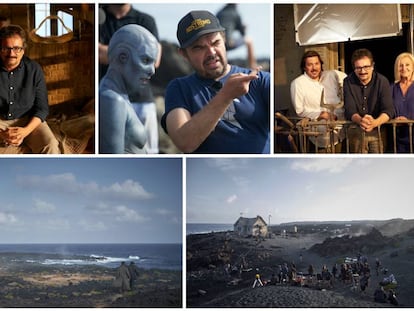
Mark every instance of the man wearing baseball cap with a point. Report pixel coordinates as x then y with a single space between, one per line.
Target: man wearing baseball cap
220 108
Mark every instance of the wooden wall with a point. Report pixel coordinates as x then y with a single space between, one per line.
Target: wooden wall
69 67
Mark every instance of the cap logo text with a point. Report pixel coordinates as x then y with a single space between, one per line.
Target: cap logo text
197 24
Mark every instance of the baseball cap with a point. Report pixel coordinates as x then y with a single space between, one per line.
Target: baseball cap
196 24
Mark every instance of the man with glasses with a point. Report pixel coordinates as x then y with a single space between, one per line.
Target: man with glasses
368 103
23 96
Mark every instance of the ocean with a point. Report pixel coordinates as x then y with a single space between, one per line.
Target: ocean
196 228
146 256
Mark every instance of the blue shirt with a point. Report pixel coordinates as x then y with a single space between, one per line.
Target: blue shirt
244 128
404 107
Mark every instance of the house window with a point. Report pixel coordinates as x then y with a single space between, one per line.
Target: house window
42 10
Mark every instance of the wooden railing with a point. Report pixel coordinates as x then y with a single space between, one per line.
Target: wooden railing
293 135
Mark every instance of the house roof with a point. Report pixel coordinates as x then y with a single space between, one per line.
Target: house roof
248 221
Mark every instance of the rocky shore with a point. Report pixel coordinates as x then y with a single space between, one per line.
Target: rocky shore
214 278
24 284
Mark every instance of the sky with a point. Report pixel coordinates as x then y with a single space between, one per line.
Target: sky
220 190
256 17
91 200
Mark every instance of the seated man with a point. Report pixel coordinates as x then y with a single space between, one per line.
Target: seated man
23 96
132 54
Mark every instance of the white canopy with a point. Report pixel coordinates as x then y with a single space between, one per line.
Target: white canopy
327 23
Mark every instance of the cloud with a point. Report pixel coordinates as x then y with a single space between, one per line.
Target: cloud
241 181
310 188
125 214
227 164
67 183
168 216
128 189
120 213
231 199
92 226
55 224
330 165
99 208
175 220
162 212
61 182
43 207
7 218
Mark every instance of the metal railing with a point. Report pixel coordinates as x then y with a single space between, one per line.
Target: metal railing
293 134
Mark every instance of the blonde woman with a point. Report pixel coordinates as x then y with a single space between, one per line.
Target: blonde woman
403 97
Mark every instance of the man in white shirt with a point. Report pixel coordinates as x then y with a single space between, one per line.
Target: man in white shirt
314 88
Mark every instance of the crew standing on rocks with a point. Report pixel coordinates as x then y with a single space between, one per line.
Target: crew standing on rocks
311 270
364 282
334 270
377 265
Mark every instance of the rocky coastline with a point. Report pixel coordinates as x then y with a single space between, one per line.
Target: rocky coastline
24 284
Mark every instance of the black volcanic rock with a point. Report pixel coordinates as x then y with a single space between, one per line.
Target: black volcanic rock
371 242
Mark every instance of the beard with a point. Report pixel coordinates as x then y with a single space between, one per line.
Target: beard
217 72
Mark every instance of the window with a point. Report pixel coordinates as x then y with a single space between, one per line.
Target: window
49 28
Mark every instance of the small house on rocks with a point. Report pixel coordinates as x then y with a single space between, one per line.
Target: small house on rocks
255 227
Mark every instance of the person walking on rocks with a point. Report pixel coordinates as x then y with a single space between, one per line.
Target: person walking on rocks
134 273
122 278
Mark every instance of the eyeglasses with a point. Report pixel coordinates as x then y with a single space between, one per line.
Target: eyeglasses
365 68
15 49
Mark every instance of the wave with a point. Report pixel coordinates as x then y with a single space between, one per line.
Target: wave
85 260
146 256
65 262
